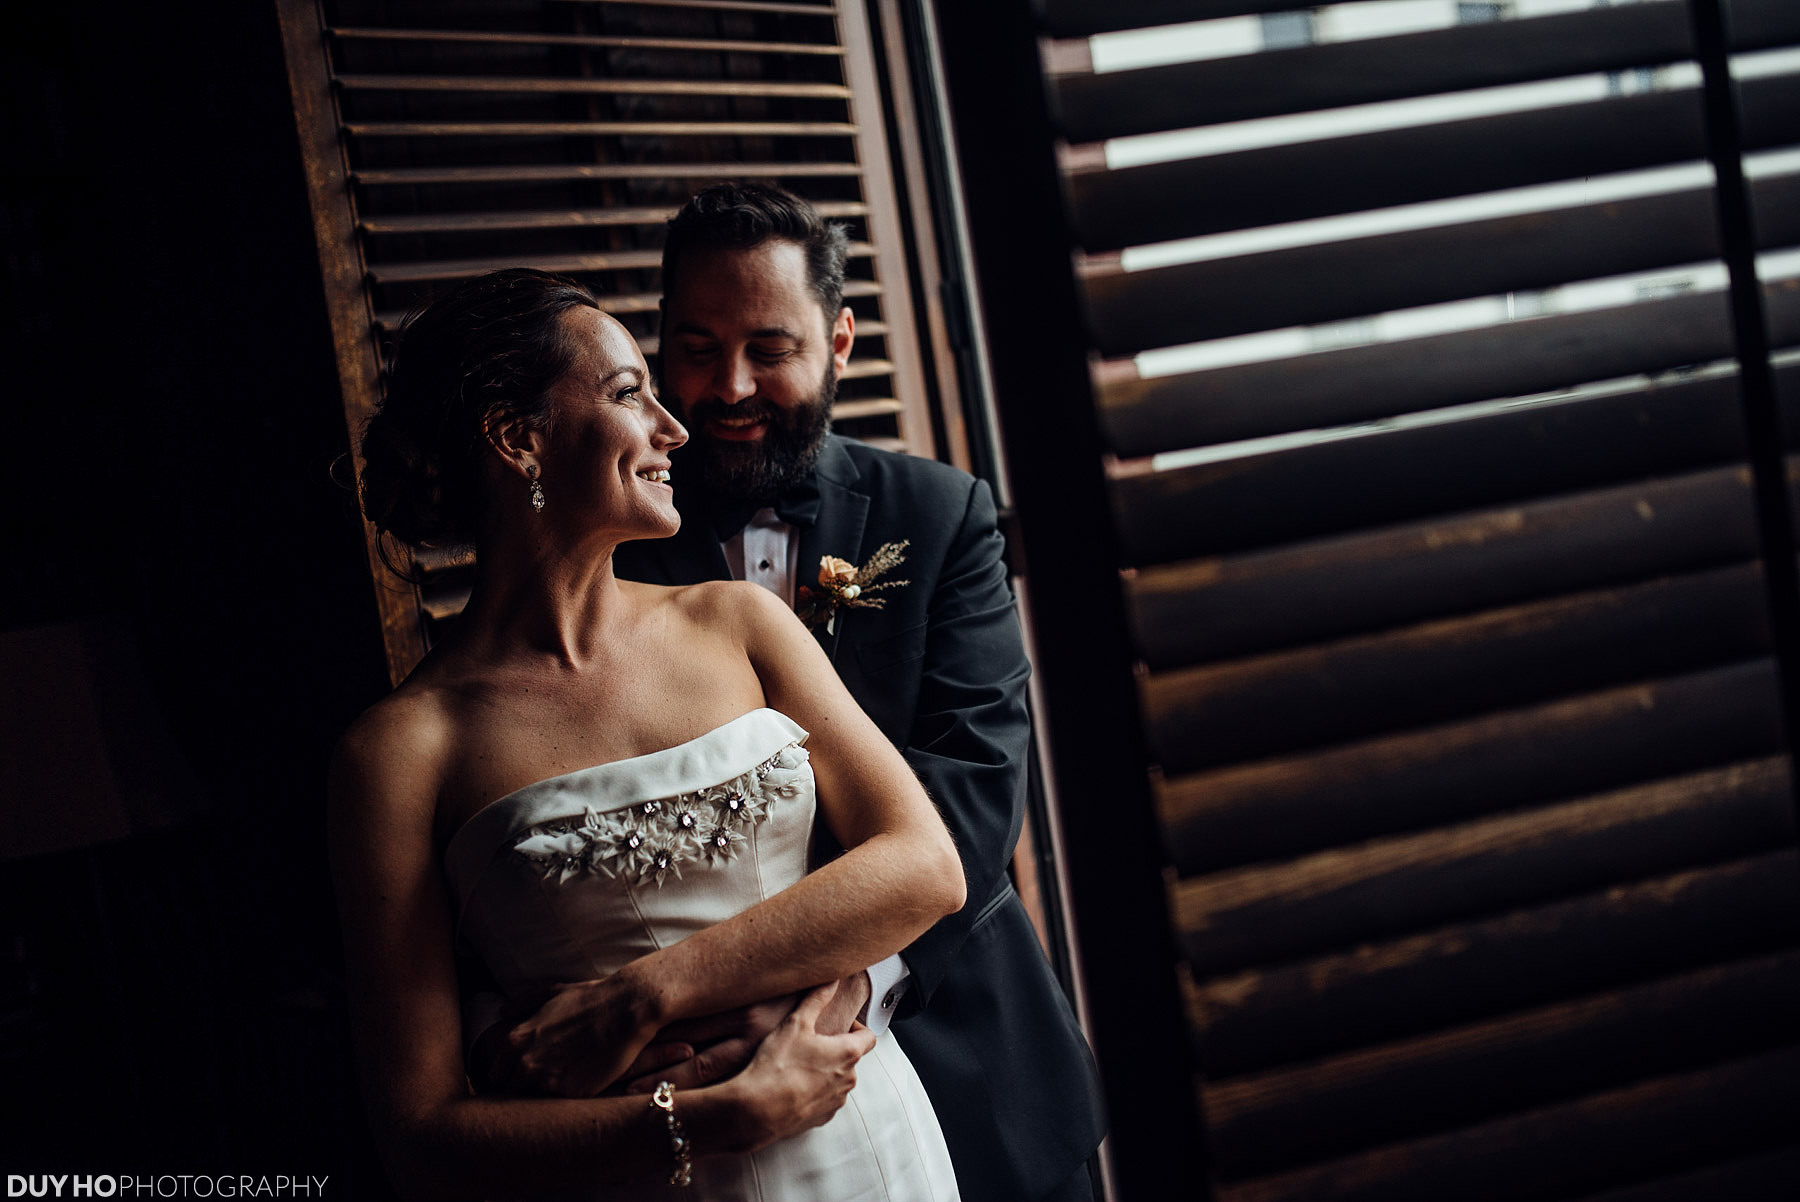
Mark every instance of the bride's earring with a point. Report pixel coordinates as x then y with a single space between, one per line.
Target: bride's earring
537 490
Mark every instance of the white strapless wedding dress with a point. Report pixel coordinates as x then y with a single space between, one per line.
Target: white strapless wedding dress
571 878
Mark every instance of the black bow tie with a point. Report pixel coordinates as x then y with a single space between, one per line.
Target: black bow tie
798 506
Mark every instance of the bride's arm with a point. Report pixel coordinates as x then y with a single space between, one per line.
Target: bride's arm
899 875
437 1139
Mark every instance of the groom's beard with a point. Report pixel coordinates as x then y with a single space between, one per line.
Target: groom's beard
764 469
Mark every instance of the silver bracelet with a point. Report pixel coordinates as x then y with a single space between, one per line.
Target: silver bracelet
664 1100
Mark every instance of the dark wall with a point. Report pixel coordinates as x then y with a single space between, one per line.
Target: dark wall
170 1001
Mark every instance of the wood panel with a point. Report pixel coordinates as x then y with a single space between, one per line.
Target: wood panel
616 303
1039 360
1233 605
821 9
1450 465
598 129
1260 1018
1309 78
1158 202
1663 1125
457 269
1769 1177
1358 892
430 223
1760 22
1430 776
1461 700
596 41
341 269
1335 75
893 249
696 173
579 87
1469 1074
1130 311
1246 709
1364 383
1070 18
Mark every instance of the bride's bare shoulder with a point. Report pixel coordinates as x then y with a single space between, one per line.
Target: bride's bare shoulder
725 606
396 750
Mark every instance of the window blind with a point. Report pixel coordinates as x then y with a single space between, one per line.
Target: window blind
1428 510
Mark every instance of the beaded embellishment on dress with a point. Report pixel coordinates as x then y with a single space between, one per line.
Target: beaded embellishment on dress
643 843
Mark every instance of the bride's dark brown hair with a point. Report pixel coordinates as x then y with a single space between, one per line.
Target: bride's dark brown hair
494 345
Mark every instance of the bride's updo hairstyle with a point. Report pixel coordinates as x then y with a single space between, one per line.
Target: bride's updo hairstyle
492 346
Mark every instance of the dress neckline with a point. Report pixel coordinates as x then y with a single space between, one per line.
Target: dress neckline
705 760
594 769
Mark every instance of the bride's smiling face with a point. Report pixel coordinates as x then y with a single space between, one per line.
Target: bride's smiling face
606 451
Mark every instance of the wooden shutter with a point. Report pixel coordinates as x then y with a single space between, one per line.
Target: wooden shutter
445 140
1452 652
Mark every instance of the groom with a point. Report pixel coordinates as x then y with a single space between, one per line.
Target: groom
754 336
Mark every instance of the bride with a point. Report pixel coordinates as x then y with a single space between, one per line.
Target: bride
611 784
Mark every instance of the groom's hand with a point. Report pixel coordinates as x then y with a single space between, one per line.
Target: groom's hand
701 1051
580 1041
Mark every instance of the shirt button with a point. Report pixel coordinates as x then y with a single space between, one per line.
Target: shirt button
764 565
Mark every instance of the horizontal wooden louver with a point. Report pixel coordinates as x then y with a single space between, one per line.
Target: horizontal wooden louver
1218 713
1131 311
1190 197
1523 958
1311 78
1228 606
1363 383
1455 657
1261 499
563 136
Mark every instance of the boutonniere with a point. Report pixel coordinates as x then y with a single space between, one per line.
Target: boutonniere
843 585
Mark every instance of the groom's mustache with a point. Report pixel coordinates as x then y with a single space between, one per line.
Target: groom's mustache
753 410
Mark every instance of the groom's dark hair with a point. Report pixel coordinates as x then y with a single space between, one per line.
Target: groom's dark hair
741 215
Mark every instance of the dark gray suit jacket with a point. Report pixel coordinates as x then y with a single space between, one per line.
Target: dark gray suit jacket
942 670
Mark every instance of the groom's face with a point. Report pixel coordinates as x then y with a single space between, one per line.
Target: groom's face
750 362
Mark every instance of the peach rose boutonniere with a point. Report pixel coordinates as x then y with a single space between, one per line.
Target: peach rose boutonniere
843 585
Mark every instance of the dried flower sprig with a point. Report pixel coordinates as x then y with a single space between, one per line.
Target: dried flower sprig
843 585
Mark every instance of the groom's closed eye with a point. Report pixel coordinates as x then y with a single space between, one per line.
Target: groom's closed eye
694 348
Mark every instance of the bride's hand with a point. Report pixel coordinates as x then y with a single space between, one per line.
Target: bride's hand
799 1078
580 1041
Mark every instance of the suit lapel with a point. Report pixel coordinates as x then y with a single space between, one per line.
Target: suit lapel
843 512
